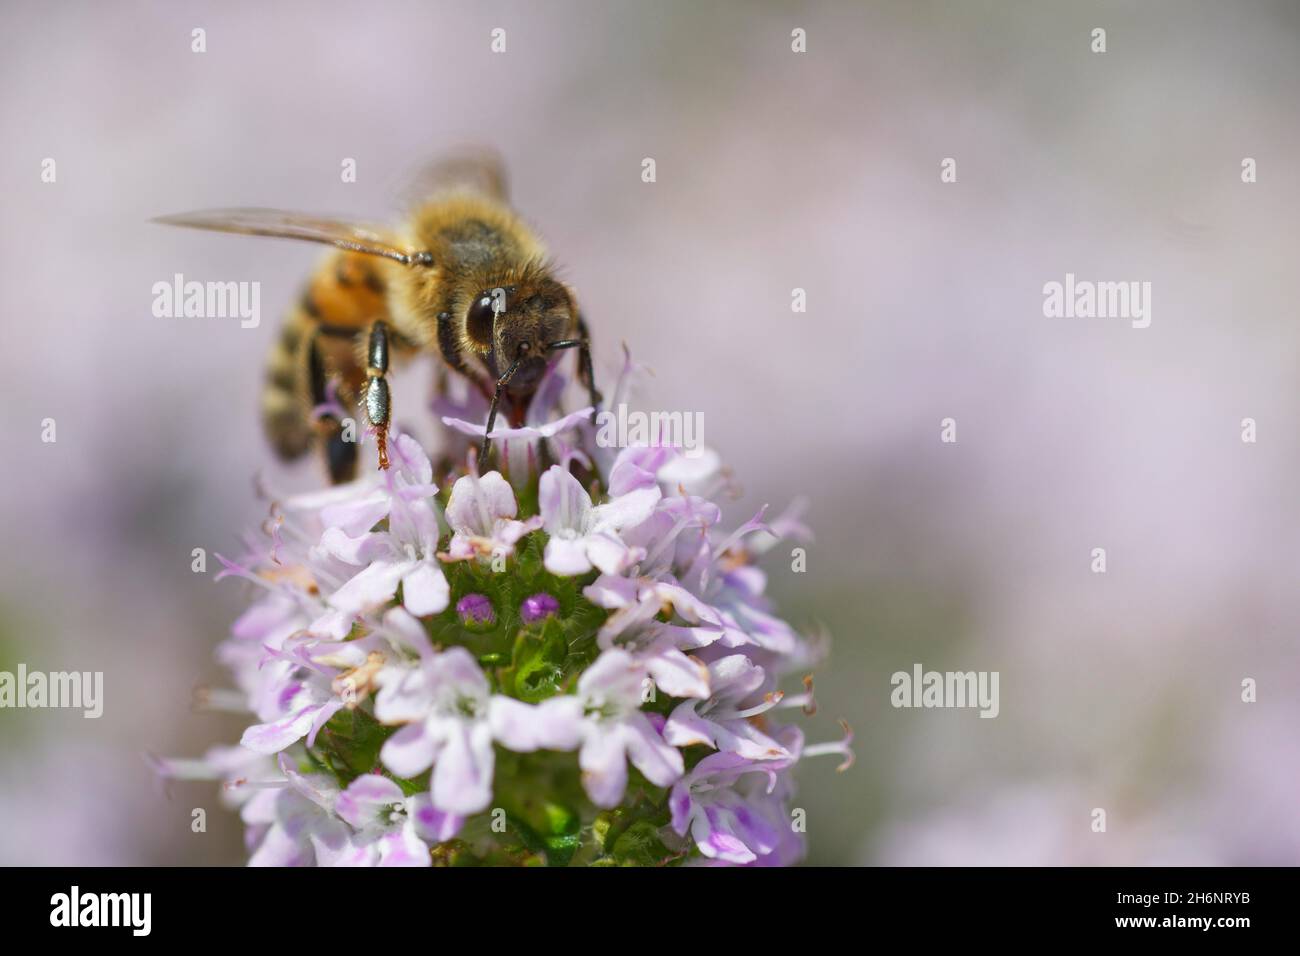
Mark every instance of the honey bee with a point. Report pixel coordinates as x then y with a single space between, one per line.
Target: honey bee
464 277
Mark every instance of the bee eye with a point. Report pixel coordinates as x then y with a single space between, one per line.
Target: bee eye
479 321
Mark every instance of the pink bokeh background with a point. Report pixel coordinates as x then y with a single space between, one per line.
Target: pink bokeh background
775 170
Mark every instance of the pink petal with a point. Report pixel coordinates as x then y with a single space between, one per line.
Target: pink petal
361 802
431 823
661 764
411 460
637 467
408 631
719 845
608 591
686 727
323 714
604 766
614 674
457 666
410 751
679 802
563 502
273 737
402 847
743 738
332 841
513 723
559 723
279 849
508 532
462 777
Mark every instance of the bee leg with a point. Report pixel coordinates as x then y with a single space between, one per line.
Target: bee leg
377 399
585 373
340 453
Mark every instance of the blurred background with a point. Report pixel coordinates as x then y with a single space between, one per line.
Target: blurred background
775 170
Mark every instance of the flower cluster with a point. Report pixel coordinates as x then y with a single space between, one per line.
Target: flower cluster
566 664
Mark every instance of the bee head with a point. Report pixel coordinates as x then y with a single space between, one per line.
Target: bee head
516 322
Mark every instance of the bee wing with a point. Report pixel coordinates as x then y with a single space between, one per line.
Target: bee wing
475 169
354 237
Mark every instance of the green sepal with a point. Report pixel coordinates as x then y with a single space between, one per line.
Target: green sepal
350 743
537 666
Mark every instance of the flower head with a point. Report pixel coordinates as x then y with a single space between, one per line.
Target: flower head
573 648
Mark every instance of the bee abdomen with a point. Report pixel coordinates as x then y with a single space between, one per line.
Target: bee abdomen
286 396
317 345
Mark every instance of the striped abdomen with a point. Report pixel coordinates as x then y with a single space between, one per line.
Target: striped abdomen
319 342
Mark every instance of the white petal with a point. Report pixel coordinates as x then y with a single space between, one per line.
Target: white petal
513 723
610 554
404 694
371 588
566 556
476 504
678 674
358 550
615 675
627 511
334 625
425 590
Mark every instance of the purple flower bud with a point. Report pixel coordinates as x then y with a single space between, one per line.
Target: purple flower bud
538 606
476 609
